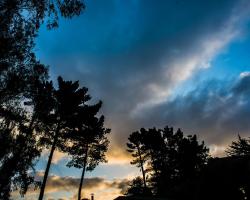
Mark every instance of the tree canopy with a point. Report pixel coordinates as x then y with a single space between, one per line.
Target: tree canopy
171 157
240 147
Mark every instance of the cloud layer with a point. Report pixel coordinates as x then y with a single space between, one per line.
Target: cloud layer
133 55
215 110
67 188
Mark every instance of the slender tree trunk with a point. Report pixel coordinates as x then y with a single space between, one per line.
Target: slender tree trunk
45 177
83 173
81 182
142 168
143 176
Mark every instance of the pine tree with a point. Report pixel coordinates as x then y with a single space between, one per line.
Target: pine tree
89 141
68 99
241 147
136 148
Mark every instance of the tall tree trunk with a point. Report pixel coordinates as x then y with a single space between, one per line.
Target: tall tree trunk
81 182
45 177
83 173
142 168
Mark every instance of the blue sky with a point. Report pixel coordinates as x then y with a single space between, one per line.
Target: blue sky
154 63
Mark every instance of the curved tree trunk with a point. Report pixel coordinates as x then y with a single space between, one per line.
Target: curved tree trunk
46 172
45 177
83 173
142 168
81 183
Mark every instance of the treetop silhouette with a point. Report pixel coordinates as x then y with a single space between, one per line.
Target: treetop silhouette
170 157
73 127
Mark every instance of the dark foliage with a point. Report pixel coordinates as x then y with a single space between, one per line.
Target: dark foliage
89 141
18 136
241 147
71 126
172 158
224 178
137 149
22 80
137 188
64 104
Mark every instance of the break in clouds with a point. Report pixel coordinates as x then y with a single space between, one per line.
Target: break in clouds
133 56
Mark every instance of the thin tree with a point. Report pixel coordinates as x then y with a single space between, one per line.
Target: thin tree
136 148
68 99
89 142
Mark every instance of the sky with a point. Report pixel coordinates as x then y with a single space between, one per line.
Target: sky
179 63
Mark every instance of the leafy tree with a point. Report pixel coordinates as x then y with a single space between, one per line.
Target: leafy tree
136 148
241 147
88 141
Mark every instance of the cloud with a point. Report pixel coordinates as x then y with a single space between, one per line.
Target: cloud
69 185
133 55
244 74
118 156
57 156
216 110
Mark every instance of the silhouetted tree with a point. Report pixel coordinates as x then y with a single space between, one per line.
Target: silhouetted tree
19 74
241 147
137 150
136 187
160 164
173 158
69 100
88 141
18 157
19 24
192 157
20 147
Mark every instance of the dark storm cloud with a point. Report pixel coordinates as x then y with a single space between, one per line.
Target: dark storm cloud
133 53
216 111
122 50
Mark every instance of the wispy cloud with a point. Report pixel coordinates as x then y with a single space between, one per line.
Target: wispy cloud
57 156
